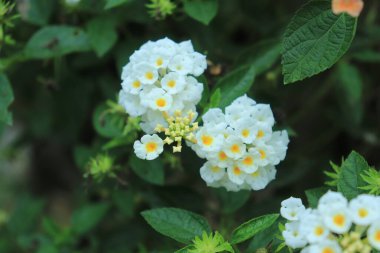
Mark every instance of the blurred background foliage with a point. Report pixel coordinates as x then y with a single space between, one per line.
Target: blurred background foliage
69 181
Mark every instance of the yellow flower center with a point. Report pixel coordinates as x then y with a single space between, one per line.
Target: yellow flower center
159 62
362 213
136 84
318 231
245 133
377 235
161 102
151 147
237 171
215 169
235 148
260 134
149 75
248 161
339 220
171 83
327 250
255 174
263 155
222 156
207 140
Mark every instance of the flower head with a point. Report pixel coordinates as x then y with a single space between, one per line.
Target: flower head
352 7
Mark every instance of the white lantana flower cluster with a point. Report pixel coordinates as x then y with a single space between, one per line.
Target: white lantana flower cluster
158 84
241 148
335 226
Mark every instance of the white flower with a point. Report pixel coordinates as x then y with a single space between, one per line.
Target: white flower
199 63
192 91
181 64
263 134
259 179
147 74
220 158
373 235
214 117
292 209
312 226
235 174
211 173
158 99
263 115
329 198
234 147
173 83
292 235
150 120
266 154
131 104
159 60
149 148
336 218
364 210
279 141
326 246
209 139
248 163
132 85
245 129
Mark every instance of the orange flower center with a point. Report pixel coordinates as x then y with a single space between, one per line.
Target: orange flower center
161 102
151 147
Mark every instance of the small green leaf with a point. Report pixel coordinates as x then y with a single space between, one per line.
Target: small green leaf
107 124
150 171
52 41
36 12
315 40
6 95
114 3
201 10
350 179
232 201
124 202
235 84
87 217
252 227
178 224
102 34
313 195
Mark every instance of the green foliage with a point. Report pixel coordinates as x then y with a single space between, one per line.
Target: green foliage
37 12
252 227
87 217
53 41
210 244
101 32
201 10
178 224
6 94
150 171
160 9
100 167
350 180
313 195
333 175
232 201
371 178
115 3
314 40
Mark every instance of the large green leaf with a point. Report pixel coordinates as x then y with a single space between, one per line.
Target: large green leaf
179 224
6 95
350 177
36 12
150 171
52 41
252 227
87 217
201 10
235 84
102 34
314 40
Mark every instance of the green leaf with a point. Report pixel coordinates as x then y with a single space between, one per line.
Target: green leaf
178 224
201 10
87 217
264 238
235 84
350 179
252 227
52 41
124 202
106 124
262 55
102 34
150 171
314 40
114 3
313 195
232 201
36 12
6 95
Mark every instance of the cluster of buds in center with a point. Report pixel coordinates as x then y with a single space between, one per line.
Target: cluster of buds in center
180 127
352 243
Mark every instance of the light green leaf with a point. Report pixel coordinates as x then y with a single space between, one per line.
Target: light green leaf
201 10
350 179
114 3
252 227
313 195
102 34
6 95
235 84
107 124
232 201
314 40
36 12
52 41
180 225
87 217
150 171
